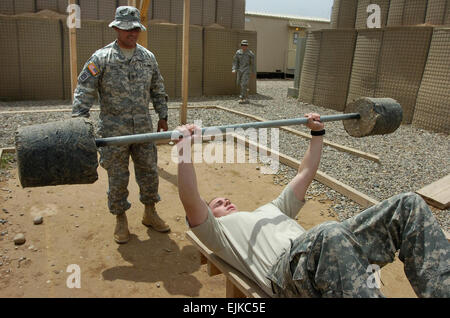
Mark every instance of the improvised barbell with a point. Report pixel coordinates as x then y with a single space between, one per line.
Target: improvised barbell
65 152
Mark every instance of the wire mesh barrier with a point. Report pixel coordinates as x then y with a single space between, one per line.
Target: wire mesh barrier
327 68
407 12
390 62
432 110
438 12
343 14
220 45
37 57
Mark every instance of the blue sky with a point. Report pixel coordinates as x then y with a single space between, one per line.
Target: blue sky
305 8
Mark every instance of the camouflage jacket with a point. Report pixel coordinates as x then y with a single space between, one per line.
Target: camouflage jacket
244 61
124 87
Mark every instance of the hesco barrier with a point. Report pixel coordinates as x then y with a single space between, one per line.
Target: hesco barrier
309 70
41 58
224 13
195 61
220 45
10 86
343 14
332 58
208 12
335 65
162 42
432 110
407 12
362 15
438 12
364 77
396 71
228 13
89 40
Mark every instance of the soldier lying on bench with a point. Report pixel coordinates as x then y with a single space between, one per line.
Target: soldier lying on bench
329 260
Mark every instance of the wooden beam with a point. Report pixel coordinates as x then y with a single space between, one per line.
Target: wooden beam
143 36
73 56
437 193
185 71
307 136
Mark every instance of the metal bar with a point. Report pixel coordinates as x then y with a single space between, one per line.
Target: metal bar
210 131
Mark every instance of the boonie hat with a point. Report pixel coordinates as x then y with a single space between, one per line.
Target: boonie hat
127 18
244 42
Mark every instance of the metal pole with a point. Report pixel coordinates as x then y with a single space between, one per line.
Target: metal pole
209 131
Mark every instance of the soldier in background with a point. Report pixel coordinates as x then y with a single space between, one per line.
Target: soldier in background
244 65
126 78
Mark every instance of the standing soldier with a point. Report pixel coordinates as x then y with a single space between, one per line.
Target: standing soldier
126 77
244 65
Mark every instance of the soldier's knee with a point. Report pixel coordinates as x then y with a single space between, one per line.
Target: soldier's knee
333 230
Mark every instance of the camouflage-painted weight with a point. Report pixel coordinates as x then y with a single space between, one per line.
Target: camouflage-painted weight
244 65
332 259
125 88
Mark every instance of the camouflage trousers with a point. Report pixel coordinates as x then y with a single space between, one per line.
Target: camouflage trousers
242 80
115 160
332 259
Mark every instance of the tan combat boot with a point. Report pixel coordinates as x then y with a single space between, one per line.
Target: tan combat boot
121 233
152 219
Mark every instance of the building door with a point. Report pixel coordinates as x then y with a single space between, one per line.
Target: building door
294 35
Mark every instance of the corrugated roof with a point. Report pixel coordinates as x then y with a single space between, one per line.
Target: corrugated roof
289 17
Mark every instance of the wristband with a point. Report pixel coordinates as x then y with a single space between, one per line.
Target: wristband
318 133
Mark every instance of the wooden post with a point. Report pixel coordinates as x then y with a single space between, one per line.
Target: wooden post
132 3
73 55
185 72
143 37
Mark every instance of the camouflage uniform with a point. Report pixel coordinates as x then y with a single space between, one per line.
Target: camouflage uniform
125 89
244 65
332 259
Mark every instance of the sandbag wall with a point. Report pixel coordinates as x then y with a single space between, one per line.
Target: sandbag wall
227 13
390 62
343 14
432 110
327 67
438 12
28 70
166 41
219 48
407 12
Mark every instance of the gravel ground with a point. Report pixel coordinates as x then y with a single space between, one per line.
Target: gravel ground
410 158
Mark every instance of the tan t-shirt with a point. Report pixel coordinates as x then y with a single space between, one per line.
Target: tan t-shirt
252 241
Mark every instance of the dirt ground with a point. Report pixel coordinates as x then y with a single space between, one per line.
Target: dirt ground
78 229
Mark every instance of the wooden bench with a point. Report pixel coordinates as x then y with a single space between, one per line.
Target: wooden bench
237 284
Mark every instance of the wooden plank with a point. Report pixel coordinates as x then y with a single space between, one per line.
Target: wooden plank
339 147
60 110
232 291
437 193
245 285
212 269
73 55
185 66
143 36
351 193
